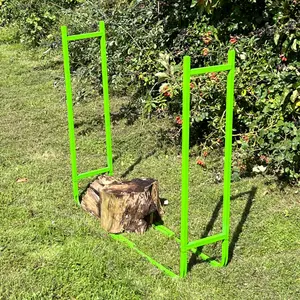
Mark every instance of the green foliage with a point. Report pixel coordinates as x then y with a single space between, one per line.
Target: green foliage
34 18
267 100
286 24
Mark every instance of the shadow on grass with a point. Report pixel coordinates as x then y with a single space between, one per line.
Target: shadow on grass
87 126
138 160
86 188
127 112
236 234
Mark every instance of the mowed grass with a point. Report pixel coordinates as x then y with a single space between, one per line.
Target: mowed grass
51 249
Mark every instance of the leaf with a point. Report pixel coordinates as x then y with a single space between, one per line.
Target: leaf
276 38
285 93
20 180
242 56
177 68
194 3
161 75
164 60
259 169
294 96
235 176
294 45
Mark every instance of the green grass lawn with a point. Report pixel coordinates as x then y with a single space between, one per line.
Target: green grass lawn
51 249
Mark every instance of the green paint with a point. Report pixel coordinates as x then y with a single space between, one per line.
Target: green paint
228 151
224 236
106 98
65 43
185 165
64 32
185 245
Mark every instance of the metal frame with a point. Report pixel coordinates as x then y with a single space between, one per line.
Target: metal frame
184 243
65 44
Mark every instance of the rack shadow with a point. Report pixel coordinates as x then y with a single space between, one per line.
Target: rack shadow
138 160
237 231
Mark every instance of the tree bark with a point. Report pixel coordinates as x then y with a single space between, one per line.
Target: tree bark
128 206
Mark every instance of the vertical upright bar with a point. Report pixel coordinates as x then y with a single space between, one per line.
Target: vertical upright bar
106 98
70 112
228 152
185 166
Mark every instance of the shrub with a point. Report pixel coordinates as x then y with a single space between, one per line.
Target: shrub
34 18
146 44
266 124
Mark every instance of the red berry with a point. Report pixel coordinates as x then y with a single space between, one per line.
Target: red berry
200 163
264 158
283 58
213 76
245 138
232 40
242 168
178 120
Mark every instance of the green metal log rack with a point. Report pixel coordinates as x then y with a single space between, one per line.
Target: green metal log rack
188 72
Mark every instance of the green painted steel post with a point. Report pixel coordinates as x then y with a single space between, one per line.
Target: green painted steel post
64 32
185 166
228 152
106 98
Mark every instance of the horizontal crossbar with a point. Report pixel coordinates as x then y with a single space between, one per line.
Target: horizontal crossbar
82 36
205 241
168 232
219 68
92 173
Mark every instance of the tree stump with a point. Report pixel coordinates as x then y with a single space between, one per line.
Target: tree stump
123 206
